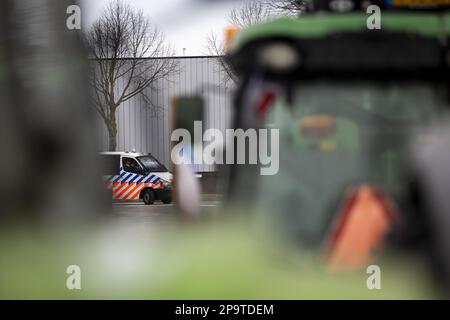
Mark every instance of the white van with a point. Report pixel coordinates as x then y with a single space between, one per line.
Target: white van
136 176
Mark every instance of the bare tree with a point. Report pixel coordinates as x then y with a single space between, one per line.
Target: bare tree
289 7
216 47
122 42
252 12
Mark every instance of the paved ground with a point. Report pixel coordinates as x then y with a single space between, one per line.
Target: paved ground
156 215
140 209
157 211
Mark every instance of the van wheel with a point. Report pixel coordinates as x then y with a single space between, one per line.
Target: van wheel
167 201
148 196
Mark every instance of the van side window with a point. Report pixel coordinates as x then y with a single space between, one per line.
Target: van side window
131 165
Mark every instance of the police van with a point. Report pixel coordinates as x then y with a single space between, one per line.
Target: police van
136 176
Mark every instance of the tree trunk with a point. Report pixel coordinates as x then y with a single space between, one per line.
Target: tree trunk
112 132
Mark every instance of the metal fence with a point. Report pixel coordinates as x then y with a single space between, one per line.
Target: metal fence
145 126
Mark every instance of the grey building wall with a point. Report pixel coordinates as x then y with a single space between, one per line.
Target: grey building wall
145 126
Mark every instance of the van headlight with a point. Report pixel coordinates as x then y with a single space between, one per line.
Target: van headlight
166 184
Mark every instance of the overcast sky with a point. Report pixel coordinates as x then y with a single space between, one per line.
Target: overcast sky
186 23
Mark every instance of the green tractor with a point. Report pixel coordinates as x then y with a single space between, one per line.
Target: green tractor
352 98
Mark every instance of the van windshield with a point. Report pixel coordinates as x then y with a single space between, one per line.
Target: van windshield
151 164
